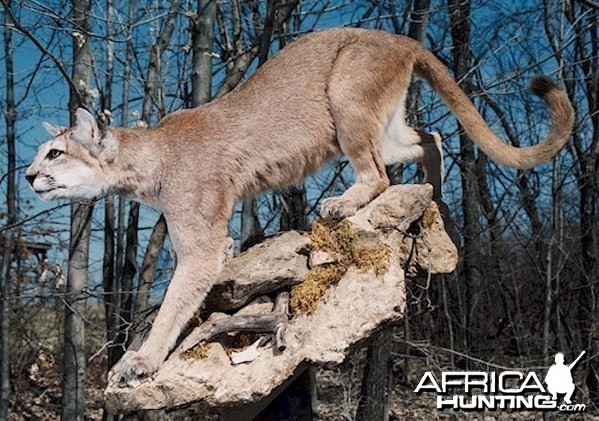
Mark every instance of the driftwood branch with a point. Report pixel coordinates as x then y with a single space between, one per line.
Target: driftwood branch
274 323
281 309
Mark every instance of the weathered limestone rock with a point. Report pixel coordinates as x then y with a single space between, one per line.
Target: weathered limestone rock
396 209
319 258
435 251
403 221
426 247
279 262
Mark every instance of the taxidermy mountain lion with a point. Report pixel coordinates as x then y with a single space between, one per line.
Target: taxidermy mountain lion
334 91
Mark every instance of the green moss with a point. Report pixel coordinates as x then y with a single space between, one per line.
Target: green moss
375 258
306 296
231 343
429 216
335 239
340 241
198 352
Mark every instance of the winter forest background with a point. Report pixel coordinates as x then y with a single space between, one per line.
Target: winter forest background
528 279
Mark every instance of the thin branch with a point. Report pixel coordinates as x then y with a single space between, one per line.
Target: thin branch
9 172
23 221
274 323
590 3
17 25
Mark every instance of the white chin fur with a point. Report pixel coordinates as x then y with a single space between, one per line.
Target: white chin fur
78 192
48 195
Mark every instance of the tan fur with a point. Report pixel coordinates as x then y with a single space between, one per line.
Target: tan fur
333 91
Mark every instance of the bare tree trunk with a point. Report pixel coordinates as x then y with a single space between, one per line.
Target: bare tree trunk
148 266
419 20
448 318
582 20
123 298
250 224
293 214
108 266
549 274
73 397
250 232
589 213
374 397
419 17
156 51
8 245
240 64
202 32
10 235
459 12
113 302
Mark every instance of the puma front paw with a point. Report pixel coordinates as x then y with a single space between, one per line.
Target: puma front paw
337 208
132 368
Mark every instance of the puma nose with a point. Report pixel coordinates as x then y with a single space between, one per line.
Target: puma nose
30 178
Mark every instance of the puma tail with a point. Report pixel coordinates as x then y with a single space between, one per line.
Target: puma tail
431 68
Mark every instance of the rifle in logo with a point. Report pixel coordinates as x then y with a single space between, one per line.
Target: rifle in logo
559 378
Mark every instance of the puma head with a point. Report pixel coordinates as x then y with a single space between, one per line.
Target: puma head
71 164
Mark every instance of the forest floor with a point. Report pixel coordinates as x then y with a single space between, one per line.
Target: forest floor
37 377
39 396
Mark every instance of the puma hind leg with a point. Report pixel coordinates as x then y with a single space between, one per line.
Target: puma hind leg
359 138
360 104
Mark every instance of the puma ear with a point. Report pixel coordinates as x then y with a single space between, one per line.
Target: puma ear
88 133
53 129
86 127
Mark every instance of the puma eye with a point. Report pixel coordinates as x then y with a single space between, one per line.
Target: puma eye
54 153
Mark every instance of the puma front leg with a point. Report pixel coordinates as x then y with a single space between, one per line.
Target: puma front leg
199 244
190 284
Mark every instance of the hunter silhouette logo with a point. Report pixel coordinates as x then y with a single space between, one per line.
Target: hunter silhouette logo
513 389
559 378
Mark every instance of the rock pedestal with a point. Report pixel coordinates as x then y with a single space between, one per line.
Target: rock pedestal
403 234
